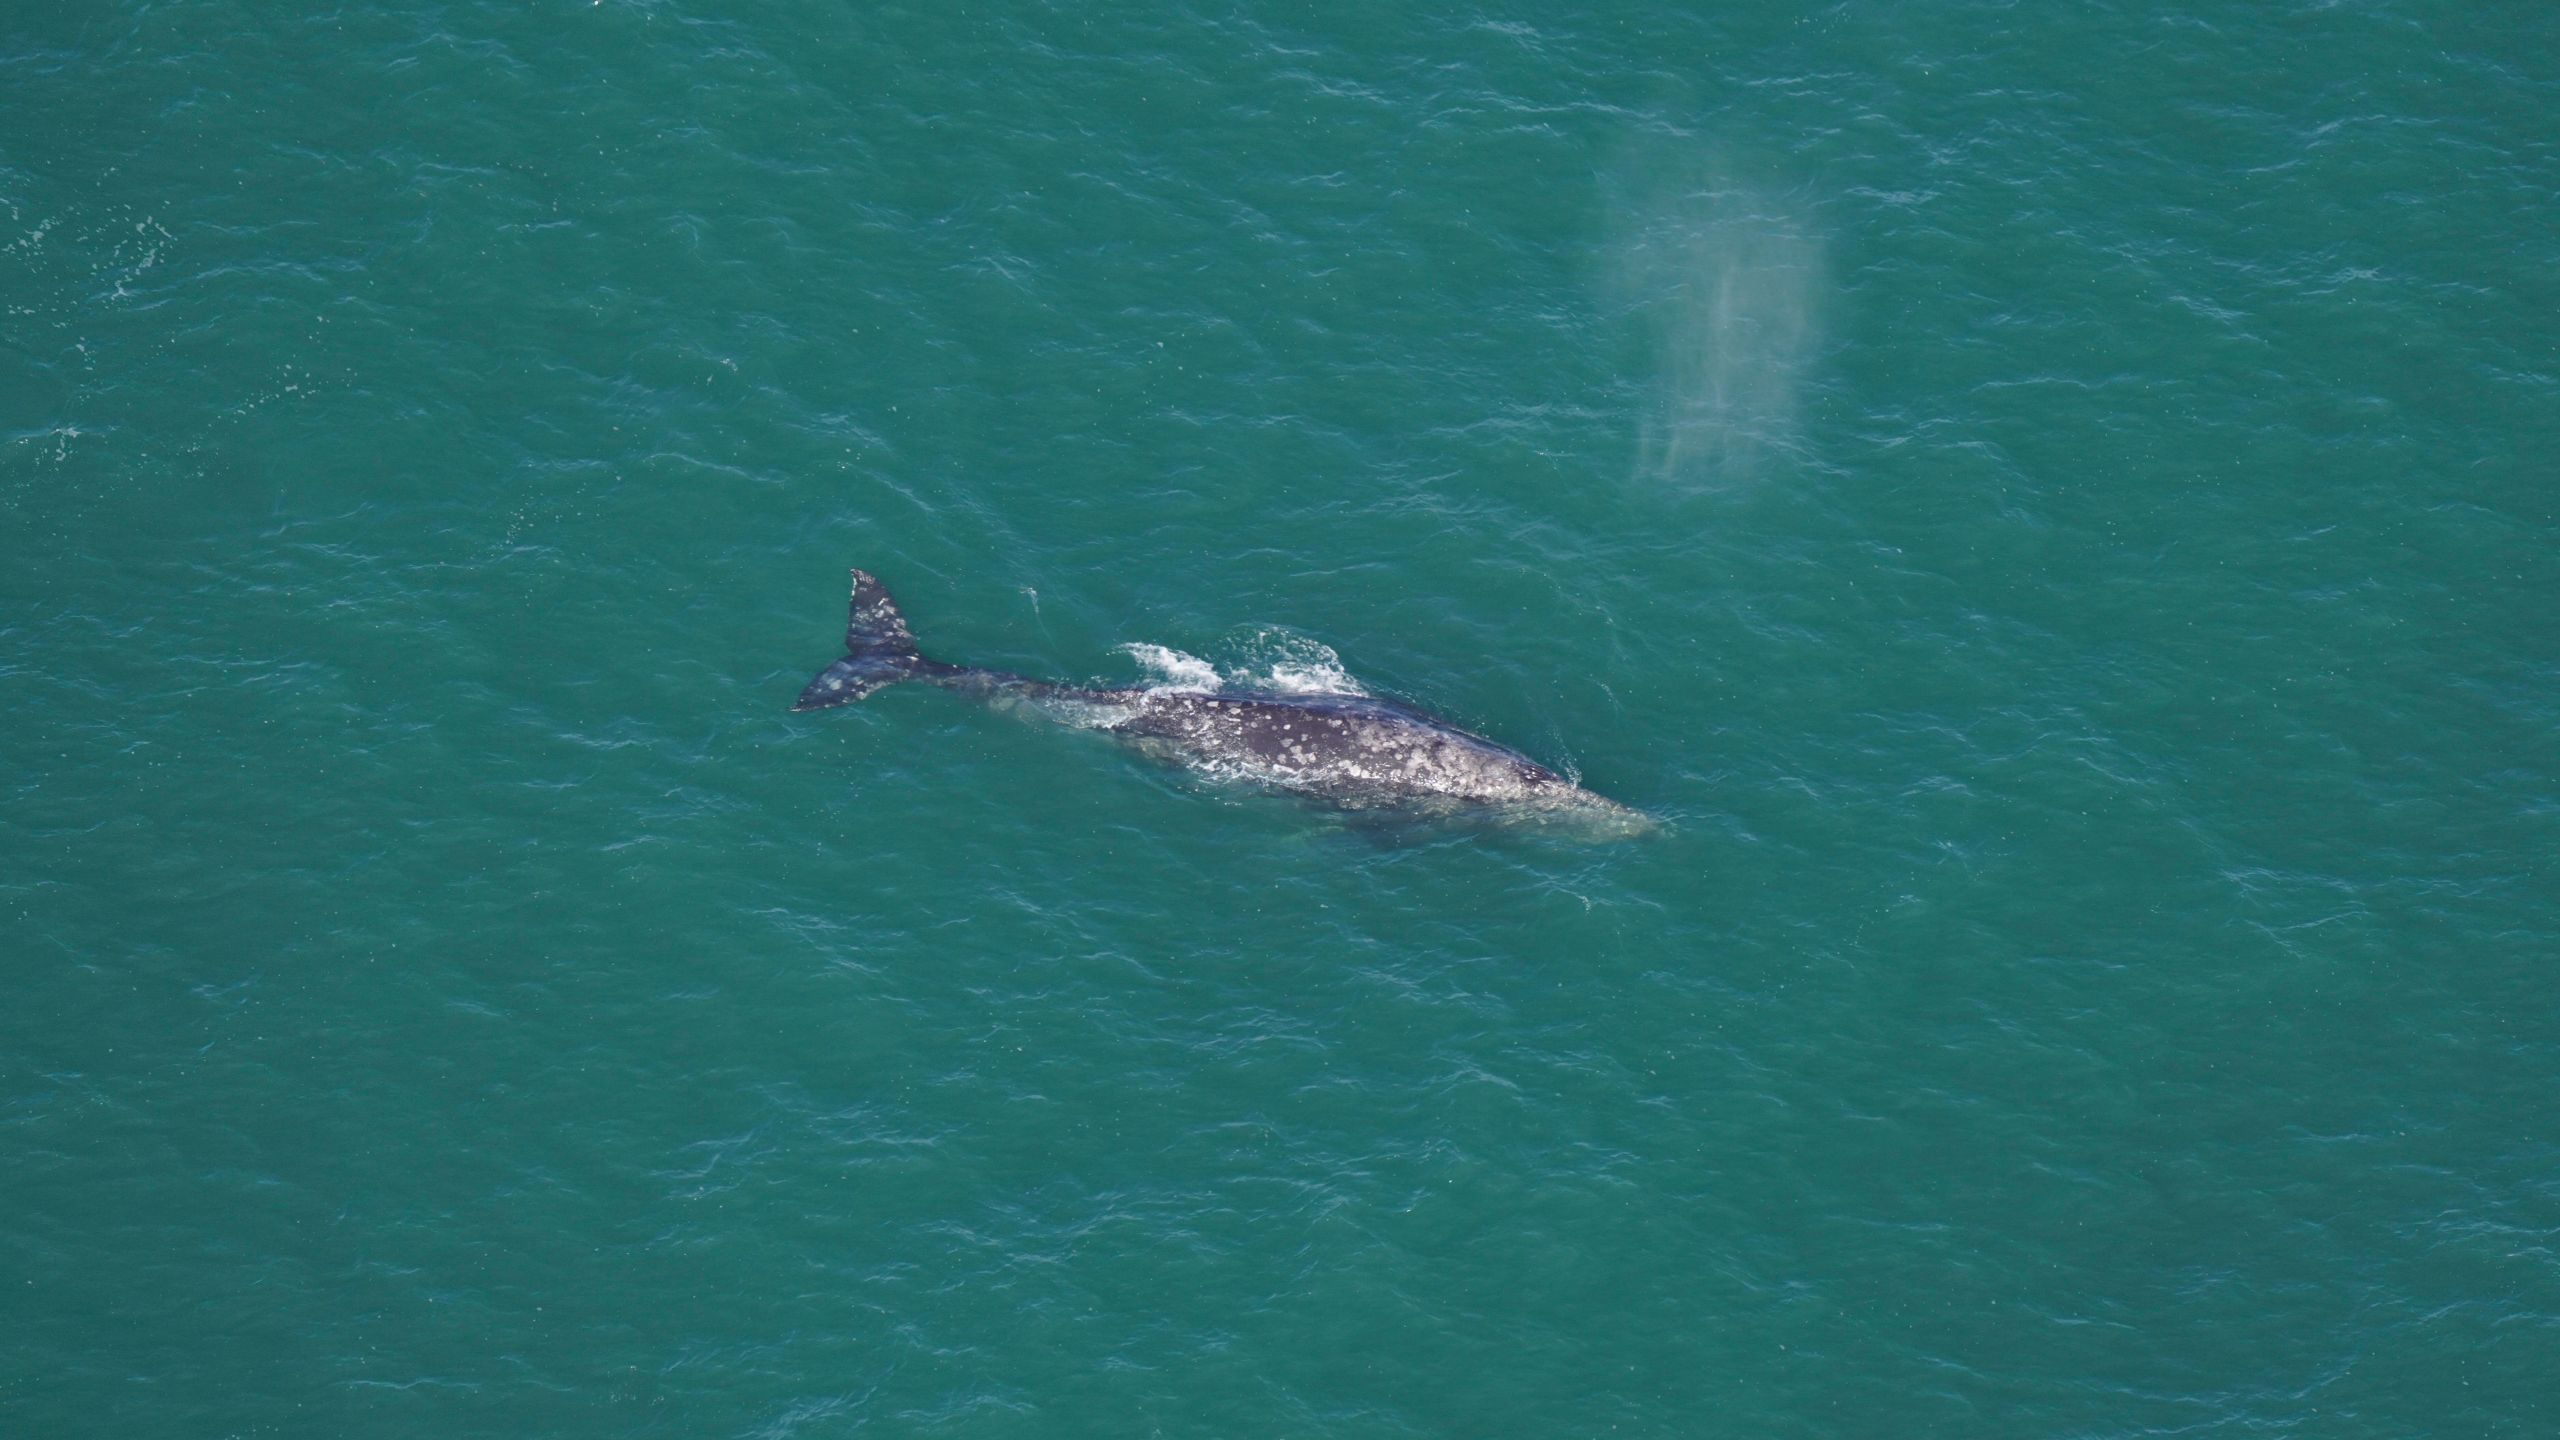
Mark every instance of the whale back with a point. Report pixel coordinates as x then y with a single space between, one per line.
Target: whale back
1352 749
1355 751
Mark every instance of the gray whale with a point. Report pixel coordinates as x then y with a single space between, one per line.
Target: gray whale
1355 752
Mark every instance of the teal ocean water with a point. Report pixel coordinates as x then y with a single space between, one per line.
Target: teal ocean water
2054 506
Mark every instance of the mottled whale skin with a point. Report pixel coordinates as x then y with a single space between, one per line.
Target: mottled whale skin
1351 751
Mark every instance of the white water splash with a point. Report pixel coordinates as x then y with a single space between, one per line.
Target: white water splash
1269 661
1174 671
1288 663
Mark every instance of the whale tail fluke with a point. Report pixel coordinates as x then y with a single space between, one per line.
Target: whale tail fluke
875 623
879 651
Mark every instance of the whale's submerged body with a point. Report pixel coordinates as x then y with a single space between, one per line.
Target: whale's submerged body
1351 751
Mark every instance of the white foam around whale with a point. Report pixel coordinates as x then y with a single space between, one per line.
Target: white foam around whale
1173 671
1266 661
